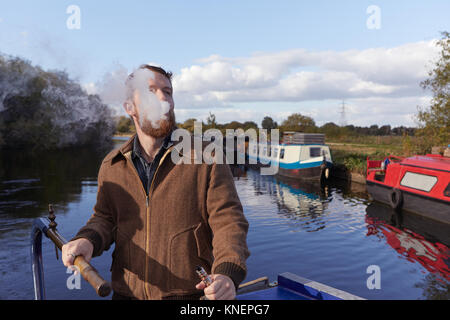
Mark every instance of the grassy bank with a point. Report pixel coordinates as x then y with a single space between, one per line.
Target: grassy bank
351 155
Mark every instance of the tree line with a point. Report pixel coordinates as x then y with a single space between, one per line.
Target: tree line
295 122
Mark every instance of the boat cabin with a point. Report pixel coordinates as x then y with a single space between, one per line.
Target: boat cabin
420 184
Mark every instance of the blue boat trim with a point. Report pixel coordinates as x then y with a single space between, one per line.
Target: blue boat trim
299 165
295 165
293 287
300 144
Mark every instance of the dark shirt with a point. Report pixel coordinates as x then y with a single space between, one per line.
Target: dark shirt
146 170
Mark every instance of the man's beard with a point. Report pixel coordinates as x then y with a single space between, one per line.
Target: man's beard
165 126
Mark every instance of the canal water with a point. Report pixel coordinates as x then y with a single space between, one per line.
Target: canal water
332 233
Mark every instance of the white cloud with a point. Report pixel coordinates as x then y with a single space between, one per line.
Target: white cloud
300 75
380 85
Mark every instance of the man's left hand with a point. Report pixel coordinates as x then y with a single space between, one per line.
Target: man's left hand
222 288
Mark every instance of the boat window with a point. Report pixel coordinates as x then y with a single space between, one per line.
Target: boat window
314 152
282 154
447 191
418 181
269 151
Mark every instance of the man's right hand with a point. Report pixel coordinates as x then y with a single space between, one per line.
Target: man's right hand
79 247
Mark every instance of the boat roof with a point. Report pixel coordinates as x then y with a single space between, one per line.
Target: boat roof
429 161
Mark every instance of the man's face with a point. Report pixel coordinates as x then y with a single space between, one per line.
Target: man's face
154 105
162 88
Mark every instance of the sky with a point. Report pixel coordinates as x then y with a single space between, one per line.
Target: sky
243 60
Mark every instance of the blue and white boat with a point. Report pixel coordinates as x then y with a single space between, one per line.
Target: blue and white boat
299 155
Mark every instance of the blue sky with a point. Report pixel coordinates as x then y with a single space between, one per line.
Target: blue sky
194 38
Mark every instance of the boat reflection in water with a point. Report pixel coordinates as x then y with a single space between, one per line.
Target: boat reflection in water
415 237
303 202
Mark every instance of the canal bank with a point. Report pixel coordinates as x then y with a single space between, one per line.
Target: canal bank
340 171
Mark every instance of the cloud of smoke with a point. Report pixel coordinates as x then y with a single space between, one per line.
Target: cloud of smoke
111 88
51 104
149 106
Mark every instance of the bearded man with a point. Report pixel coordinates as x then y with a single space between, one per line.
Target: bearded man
164 218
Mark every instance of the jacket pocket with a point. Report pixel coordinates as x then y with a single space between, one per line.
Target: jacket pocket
203 240
188 248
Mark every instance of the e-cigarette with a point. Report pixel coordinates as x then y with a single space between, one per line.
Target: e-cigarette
203 275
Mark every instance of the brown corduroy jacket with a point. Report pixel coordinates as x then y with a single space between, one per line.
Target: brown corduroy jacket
192 216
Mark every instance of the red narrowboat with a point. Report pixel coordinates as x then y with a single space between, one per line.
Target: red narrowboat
419 184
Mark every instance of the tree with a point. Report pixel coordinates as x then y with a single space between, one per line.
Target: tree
298 122
125 125
189 124
434 121
211 120
234 125
268 123
250 125
373 130
384 130
48 110
332 130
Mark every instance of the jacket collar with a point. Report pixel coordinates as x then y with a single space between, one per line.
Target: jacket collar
137 148
128 147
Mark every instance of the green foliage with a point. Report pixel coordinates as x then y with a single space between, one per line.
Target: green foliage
47 110
356 161
434 120
331 129
188 124
298 122
250 125
268 123
211 121
125 125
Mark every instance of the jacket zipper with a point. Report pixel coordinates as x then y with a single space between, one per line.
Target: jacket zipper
147 236
147 206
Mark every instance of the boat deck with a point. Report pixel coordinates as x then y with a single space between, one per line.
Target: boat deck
293 287
276 293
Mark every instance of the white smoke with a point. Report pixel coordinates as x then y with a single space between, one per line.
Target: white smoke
50 101
149 106
112 89
14 83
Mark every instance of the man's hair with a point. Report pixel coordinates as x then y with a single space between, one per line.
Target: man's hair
160 70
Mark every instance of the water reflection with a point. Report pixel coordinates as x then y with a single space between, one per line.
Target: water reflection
30 181
303 202
418 239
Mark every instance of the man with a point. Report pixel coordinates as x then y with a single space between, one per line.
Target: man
164 218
